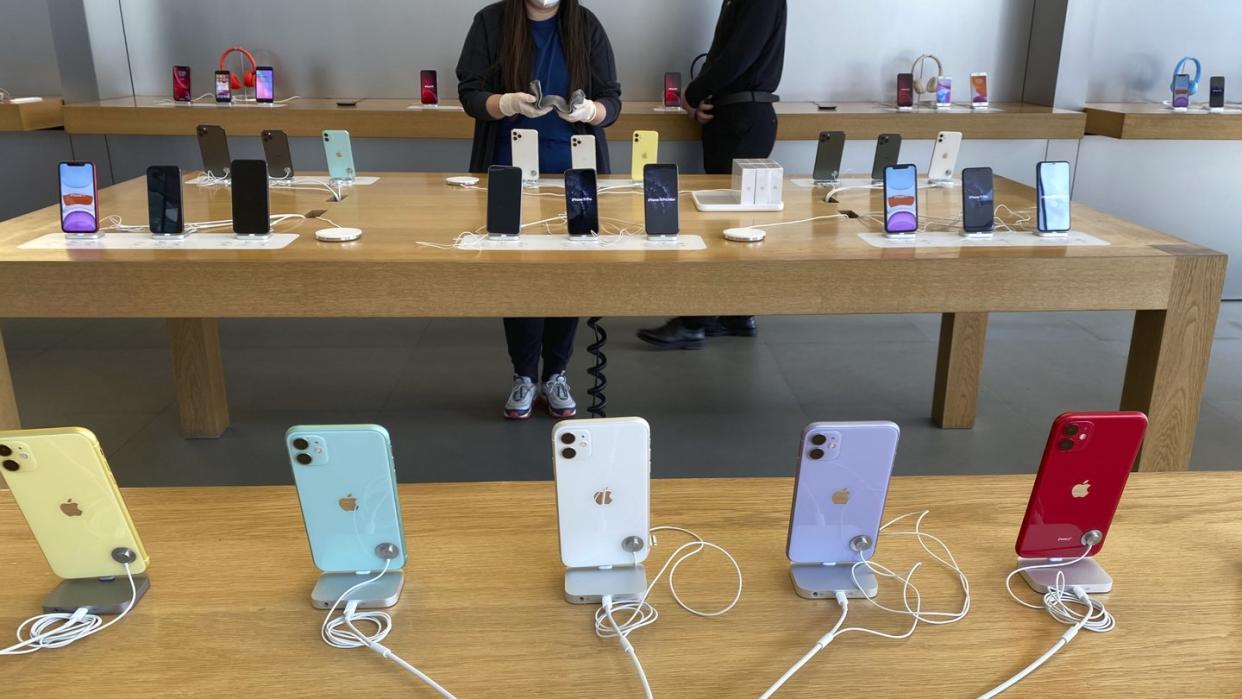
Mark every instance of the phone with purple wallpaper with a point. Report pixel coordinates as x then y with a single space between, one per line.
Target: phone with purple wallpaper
901 200
840 489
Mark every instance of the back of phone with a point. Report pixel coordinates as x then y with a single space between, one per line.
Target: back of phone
582 152
276 153
887 150
944 156
603 473
828 156
213 145
347 484
1081 477
340 155
526 153
840 489
65 489
646 152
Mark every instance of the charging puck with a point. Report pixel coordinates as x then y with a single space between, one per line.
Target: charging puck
745 235
465 181
338 235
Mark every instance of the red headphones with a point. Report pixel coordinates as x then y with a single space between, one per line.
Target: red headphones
247 78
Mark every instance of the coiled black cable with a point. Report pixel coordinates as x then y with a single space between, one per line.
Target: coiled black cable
598 400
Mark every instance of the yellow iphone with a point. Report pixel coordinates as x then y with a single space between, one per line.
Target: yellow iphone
65 489
646 152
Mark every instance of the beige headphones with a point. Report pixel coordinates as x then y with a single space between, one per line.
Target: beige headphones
917 68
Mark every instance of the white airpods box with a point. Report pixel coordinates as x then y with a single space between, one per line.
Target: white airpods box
759 182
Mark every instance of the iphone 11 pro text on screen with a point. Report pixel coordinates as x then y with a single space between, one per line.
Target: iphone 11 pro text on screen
901 199
1052 183
429 87
164 212
661 200
978 200
79 198
581 203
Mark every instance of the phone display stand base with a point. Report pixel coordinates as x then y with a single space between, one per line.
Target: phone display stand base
820 581
97 595
947 184
252 236
1087 574
1052 234
84 236
381 594
589 585
669 110
902 236
728 201
436 107
979 235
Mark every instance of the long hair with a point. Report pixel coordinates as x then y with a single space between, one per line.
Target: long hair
516 46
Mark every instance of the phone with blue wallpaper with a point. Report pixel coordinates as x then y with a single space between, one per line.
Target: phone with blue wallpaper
340 155
347 485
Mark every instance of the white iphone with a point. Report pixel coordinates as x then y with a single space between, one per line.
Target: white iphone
582 152
944 156
603 473
526 153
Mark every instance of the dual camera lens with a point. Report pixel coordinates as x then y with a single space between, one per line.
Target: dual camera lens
8 464
302 445
567 439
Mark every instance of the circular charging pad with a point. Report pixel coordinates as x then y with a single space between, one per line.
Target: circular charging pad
464 181
745 235
338 235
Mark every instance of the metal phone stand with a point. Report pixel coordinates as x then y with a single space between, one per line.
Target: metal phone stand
106 595
1087 574
825 580
381 594
622 583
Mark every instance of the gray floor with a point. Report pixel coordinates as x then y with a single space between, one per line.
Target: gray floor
735 409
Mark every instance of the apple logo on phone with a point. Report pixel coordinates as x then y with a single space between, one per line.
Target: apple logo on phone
349 503
71 508
1080 490
603 497
841 497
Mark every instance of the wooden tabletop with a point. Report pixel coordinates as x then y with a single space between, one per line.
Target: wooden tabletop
393 118
31 116
229 611
1150 120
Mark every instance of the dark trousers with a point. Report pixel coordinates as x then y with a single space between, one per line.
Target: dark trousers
532 338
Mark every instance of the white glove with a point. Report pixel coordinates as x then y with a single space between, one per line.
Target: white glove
523 103
584 113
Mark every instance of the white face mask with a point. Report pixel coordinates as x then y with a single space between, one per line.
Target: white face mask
545 4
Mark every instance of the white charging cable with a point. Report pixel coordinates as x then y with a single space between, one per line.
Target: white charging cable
341 632
1060 606
58 629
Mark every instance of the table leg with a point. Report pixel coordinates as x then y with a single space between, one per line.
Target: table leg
960 361
200 376
9 418
1167 368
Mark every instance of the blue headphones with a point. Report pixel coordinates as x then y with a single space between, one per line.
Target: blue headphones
1194 82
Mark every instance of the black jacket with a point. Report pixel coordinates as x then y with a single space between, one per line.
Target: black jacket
748 51
479 78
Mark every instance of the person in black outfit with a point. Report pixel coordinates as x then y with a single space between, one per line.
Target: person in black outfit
732 98
564 46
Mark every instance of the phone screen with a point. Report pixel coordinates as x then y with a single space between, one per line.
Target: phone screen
264 84
581 202
250 201
672 89
79 204
1181 91
164 200
1053 182
430 87
901 199
224 91
905 89
978 199
181 84
979 88
944 90
660 191
1216 99
504 200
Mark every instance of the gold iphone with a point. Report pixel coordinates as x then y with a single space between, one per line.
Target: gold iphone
646 152
65 489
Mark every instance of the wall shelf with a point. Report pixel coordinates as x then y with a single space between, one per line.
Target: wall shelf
31 116
1148 120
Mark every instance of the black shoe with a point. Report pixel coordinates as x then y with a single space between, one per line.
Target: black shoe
675 334
734 326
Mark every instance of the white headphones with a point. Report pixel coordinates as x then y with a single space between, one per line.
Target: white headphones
917 68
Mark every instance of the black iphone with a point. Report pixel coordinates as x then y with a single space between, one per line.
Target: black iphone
581 203
251 213
164 200
978 200
213 144
887 151
828 157
276 151
504 202
660 192
1216 97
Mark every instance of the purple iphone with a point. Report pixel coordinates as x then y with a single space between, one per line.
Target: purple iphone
839 493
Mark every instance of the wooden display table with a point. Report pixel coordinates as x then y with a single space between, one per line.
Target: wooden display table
31 116
819 267
393 118
229 613
1147 120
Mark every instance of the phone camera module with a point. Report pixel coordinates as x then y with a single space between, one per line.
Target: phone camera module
301 444
1070 430
304 459
1065 444
5 450
11 465
567 438
569 452
819 440
817 454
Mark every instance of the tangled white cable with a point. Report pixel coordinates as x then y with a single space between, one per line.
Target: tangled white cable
342 632
57 629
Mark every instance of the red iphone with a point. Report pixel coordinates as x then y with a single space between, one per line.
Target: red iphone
672 90
1085 466
430 87
181 84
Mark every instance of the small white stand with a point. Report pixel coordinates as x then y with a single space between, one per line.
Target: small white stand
709 200
979 235
669 110
1216 110
252 236
943 106
981 107
905 109
1087 574
589 585
84 236
902 236
381 594
503 238
169 236
825 580
1052 234
949 184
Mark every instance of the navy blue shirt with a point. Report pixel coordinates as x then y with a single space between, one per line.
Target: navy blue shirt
552 71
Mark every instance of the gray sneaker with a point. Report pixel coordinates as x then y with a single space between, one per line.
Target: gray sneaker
555 392
521 398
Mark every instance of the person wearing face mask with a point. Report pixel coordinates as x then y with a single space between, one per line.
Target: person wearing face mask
732 99
564 46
